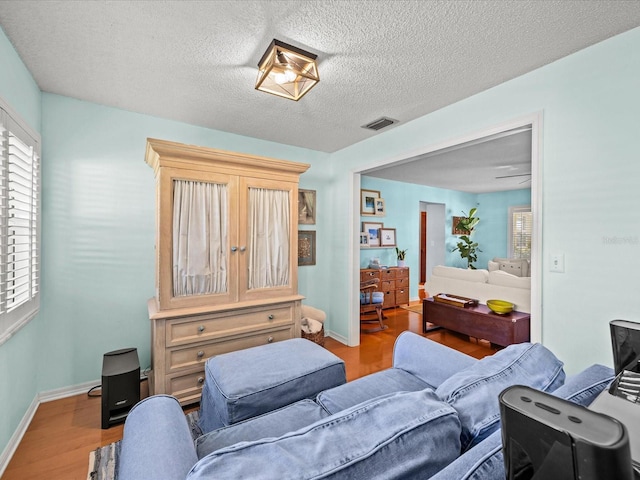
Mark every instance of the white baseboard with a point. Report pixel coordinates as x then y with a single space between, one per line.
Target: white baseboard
15 439
65 392
41 397
337 337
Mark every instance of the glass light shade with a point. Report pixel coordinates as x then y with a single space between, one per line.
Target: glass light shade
287 71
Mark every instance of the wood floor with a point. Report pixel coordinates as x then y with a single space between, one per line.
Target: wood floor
57 444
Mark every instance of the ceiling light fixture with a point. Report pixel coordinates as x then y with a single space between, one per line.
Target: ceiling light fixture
287 71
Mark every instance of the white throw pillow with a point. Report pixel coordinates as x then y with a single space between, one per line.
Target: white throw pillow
515 266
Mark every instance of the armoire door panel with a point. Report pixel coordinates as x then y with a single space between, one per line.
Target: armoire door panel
277 274
167 296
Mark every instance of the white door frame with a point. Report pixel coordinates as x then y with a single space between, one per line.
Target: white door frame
533 119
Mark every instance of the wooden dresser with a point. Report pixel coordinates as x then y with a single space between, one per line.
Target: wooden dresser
394 283
253 301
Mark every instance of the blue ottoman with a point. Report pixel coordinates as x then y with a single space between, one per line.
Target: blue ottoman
245 383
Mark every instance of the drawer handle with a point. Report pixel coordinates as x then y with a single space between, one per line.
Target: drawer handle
200 380
234 249
242 249
271 317
200 354
270 340
201 328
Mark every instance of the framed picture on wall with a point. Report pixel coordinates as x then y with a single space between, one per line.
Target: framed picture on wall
372 229
306 207
379 207
364 240
454 227
306 247
387 237
367 201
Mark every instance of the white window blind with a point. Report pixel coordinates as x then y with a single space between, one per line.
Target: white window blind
520 231
19 225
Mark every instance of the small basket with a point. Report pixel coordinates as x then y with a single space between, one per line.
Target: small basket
317 337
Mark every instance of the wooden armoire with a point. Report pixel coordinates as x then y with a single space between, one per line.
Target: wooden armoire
226 259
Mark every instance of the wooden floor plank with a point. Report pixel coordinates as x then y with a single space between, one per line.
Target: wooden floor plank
63 432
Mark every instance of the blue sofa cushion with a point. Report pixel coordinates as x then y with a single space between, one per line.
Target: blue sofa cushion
250 382
430 361
365 297
272 424
404 435
474 391
368 387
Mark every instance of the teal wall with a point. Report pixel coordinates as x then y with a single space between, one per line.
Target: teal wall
98 212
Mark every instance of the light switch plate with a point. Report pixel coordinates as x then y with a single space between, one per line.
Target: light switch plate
557 263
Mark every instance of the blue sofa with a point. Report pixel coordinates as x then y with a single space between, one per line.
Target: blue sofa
434 414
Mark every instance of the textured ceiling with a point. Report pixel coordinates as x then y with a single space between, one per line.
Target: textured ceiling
195 61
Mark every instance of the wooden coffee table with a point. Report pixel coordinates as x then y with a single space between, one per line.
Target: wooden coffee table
478 322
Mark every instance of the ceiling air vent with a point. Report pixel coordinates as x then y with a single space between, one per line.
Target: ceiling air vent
380 123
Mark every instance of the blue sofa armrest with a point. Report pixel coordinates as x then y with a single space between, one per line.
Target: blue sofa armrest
430 361
157 442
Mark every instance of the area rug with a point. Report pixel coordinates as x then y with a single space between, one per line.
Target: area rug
413 308
104 460
418 309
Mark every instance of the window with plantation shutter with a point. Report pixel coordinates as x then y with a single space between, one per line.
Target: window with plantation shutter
19 225
520 231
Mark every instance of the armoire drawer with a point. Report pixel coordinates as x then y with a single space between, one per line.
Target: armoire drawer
181 358
220 325
402 282
187 387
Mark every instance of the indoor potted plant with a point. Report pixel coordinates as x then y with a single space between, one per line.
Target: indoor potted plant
401 254
468 248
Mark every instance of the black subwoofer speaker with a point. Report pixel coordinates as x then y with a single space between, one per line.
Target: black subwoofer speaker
120 385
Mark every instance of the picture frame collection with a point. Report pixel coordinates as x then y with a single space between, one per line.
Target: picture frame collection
375 234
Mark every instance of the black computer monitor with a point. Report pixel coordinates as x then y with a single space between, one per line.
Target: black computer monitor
625 343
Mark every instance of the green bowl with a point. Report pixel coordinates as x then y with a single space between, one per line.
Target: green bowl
501 307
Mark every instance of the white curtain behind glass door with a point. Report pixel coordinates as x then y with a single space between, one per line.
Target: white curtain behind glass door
199 238
269 237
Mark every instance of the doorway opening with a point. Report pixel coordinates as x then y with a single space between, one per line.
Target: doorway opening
532 125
